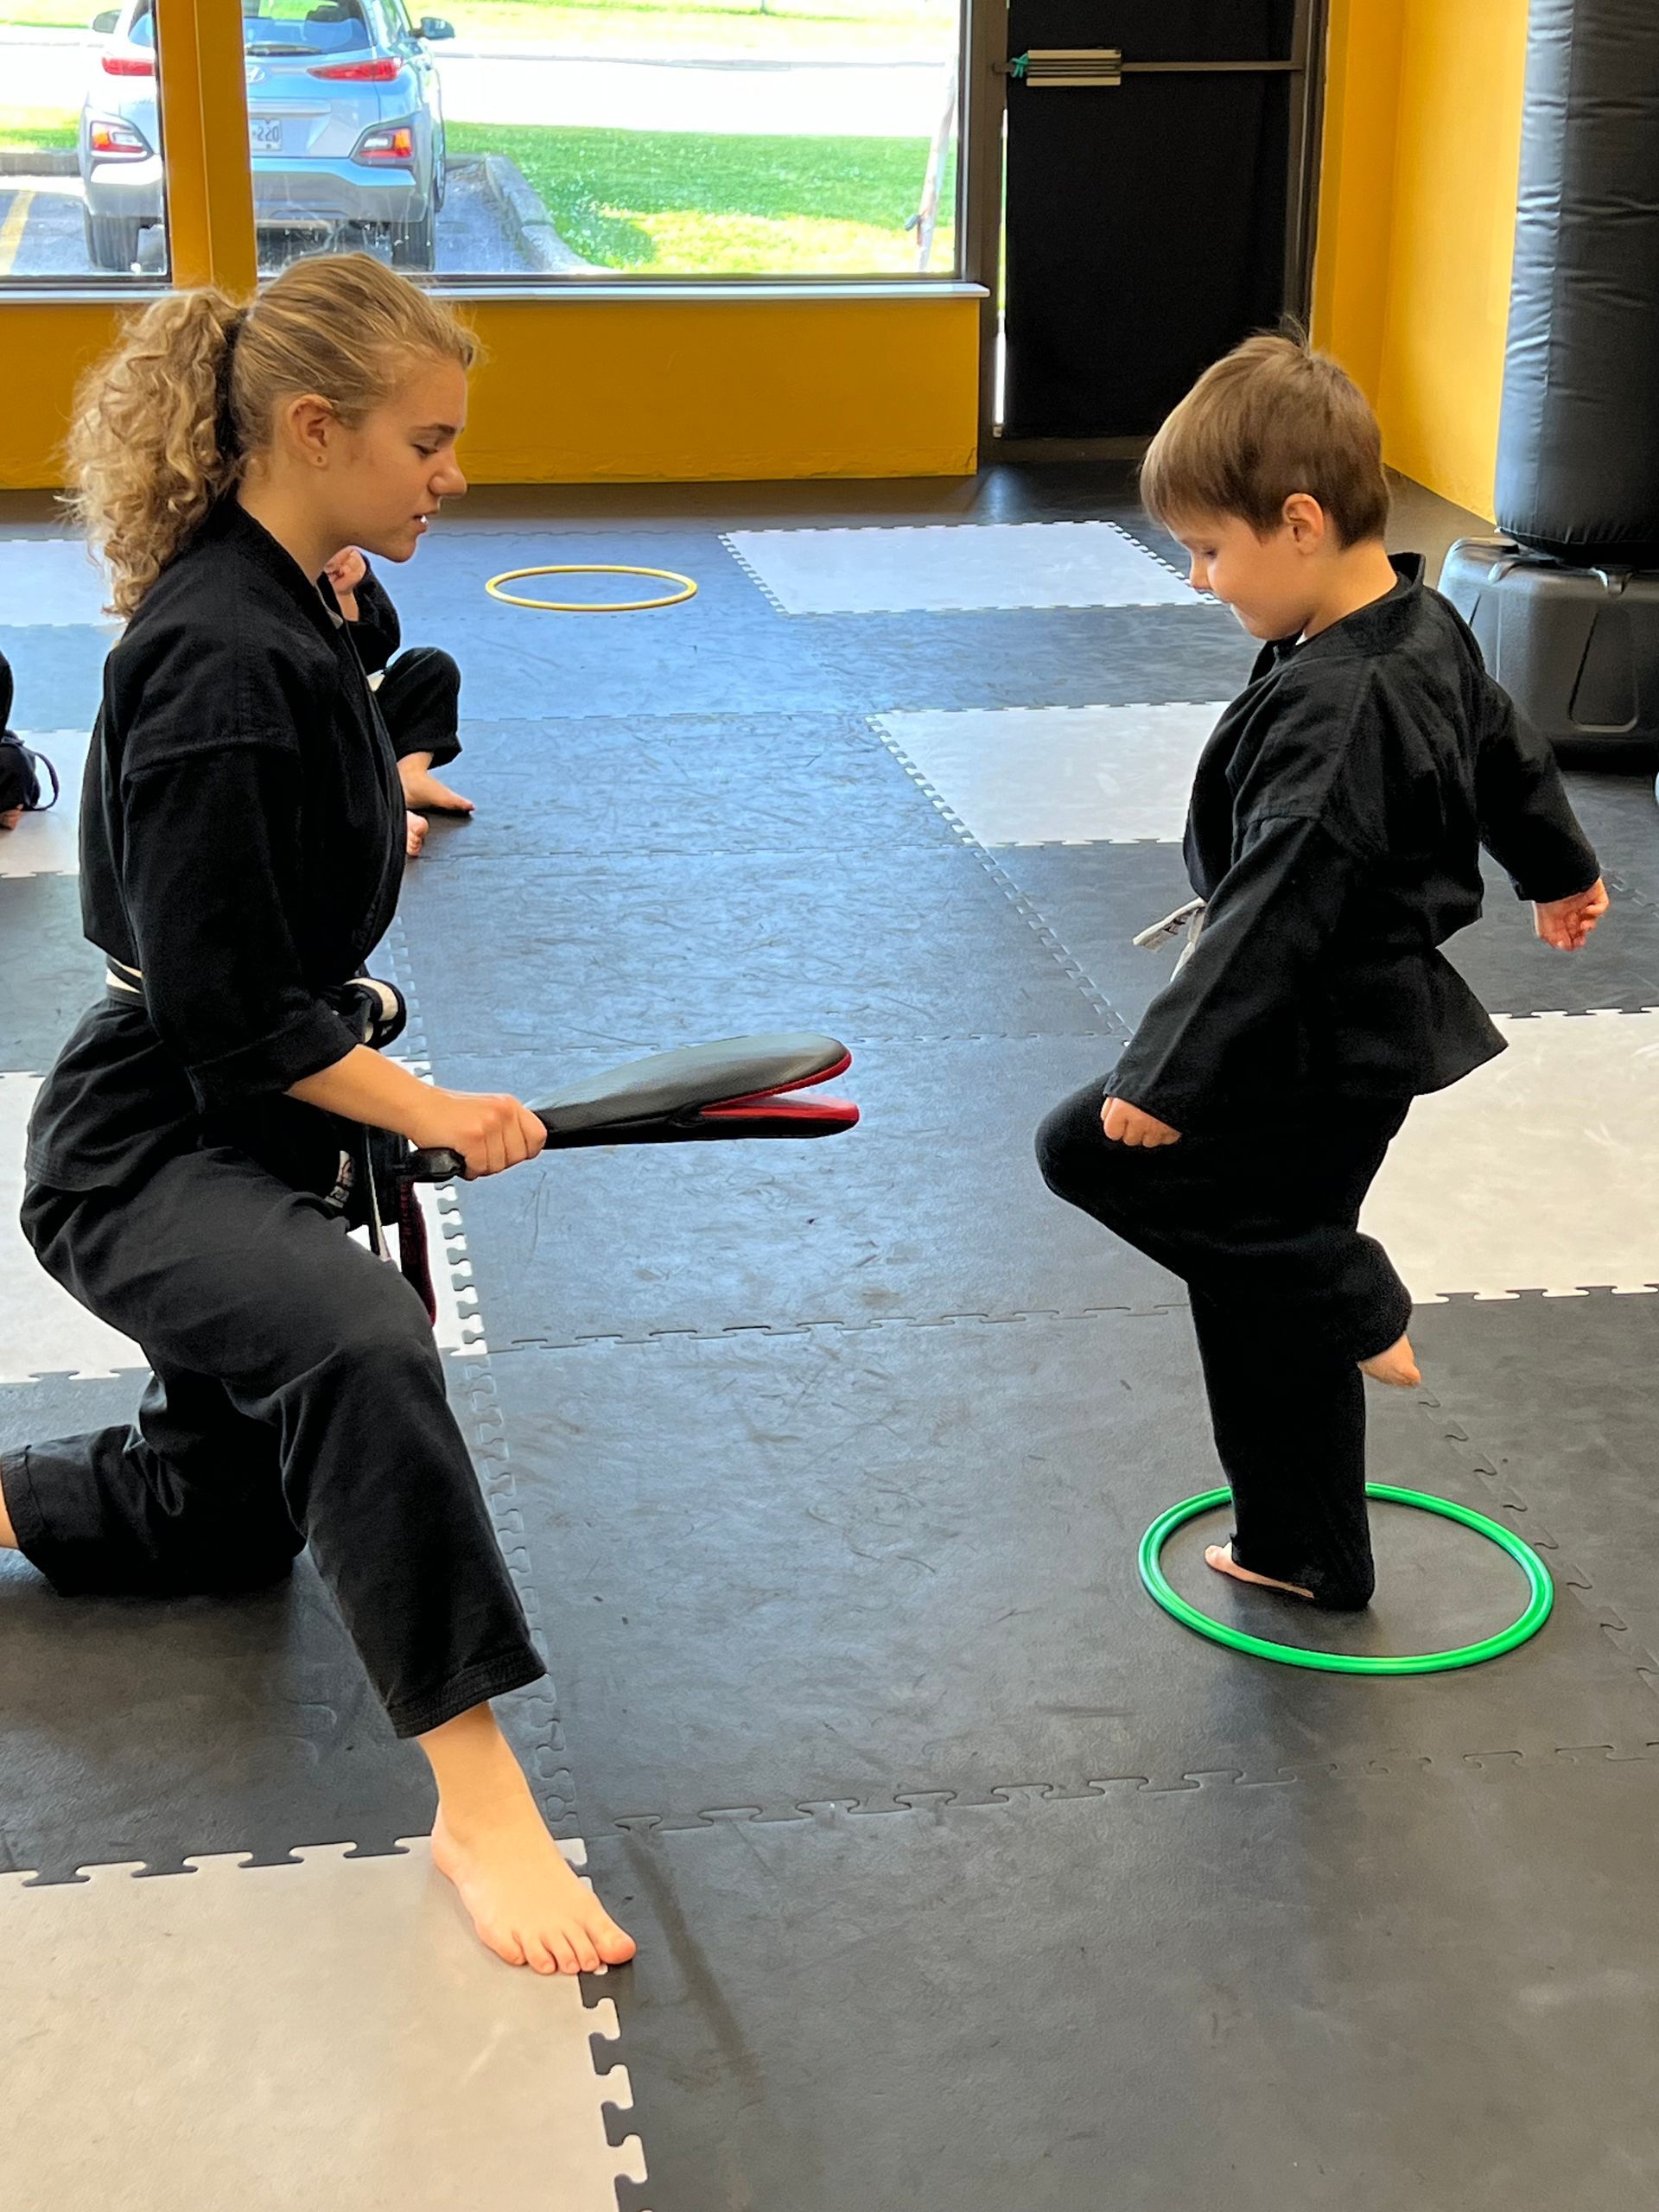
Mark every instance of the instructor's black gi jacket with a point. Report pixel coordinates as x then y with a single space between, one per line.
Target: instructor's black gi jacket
241 845
1334 829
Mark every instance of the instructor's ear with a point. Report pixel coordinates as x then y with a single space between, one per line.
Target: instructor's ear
310 426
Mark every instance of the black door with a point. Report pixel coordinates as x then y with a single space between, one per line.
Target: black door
1153 221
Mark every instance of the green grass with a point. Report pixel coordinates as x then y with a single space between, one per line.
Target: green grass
684 202
42 130
844 29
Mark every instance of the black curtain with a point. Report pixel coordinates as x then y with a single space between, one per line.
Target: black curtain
1146 223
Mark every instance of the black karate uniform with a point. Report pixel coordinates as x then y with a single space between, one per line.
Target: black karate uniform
1334 831
418 692
242 830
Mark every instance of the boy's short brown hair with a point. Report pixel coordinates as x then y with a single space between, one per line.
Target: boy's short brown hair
1271 418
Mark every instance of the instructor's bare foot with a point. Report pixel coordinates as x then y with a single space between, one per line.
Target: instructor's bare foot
524 1900
422 790
1398 1365
1220 1556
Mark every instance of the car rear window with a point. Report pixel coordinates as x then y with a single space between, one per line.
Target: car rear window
296 26
306 27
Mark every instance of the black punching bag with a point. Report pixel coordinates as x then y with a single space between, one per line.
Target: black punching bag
1577 464
1566 615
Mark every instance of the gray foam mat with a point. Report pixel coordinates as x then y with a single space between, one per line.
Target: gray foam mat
855 1564
57 973
1030 656
632 954
1555 1395
933 1204
146 1729
1371 1992
681 783
1622 821
58 673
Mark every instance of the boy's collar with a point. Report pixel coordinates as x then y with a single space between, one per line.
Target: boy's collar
1410 570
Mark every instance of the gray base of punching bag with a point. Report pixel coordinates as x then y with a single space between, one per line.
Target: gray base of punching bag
1576 649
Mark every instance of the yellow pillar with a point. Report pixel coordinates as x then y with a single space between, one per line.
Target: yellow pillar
204 98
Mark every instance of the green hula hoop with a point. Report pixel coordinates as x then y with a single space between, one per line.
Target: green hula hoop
1540 1594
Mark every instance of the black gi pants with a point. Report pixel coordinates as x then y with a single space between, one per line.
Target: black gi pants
298 1399
419 698
1288 1297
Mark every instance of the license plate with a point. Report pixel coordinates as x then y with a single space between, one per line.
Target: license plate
265 136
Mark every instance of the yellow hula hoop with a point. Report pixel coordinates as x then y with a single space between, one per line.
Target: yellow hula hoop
589 606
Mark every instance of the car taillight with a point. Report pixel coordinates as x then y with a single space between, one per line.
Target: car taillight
359 72
115 142
125 65
396 145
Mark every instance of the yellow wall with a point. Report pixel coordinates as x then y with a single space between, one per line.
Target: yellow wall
1417 225
591 391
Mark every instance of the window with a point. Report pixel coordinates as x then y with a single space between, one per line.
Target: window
82 192
510 139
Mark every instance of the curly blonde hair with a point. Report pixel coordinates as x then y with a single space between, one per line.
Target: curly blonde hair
165 424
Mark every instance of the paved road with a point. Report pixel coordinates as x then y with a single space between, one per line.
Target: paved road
41 217
513 84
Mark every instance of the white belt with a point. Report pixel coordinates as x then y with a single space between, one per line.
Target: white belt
120 977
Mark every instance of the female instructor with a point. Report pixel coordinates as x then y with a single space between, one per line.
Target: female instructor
242 839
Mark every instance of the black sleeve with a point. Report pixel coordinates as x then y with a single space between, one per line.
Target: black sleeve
1525 821
211 846
377 630
1266 925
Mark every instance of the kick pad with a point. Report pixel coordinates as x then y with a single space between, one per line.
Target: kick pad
934 1205
329 2033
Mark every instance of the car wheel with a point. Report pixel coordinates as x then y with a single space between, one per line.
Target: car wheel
111 240
414 245
439 171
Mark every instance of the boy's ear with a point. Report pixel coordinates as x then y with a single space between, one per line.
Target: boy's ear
1305 518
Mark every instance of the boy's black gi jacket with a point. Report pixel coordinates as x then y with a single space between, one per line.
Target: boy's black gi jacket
241 845
1334 830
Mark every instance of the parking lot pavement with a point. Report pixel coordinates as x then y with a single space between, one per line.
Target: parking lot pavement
40 232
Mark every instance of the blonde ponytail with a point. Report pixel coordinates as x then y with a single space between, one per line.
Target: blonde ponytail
165 424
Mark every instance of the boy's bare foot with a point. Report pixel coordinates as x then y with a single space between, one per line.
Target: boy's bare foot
525 1901
421 789
11 817
1398 1365
414 834
1220 1556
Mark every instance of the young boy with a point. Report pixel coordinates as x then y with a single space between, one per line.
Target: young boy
419 694
1333 833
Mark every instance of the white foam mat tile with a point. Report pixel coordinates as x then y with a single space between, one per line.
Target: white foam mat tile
48 844
48 582
329 2034
1057 775
1536 1172
42 1331
955 568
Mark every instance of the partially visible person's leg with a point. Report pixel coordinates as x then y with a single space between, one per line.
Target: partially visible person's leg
1293 1455
226 1274
1262 1224
419 699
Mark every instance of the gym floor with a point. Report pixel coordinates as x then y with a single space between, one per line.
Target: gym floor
962 1876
